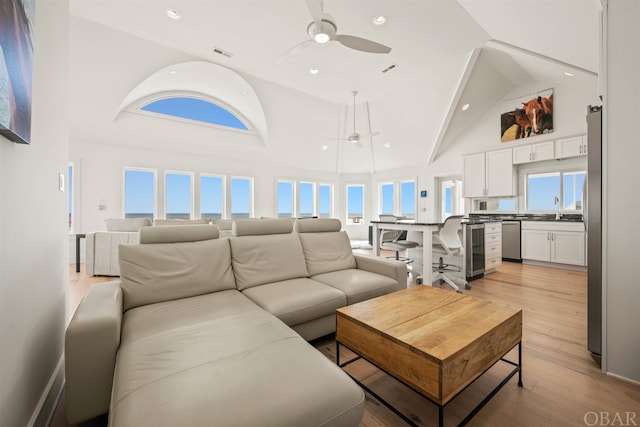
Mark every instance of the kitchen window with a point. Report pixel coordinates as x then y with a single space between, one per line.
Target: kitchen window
551 191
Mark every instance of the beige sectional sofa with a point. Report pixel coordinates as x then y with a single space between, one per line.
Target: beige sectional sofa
206 331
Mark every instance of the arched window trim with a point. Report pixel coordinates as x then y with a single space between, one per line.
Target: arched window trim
137 108
222 84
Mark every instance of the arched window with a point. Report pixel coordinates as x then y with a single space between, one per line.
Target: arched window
196 109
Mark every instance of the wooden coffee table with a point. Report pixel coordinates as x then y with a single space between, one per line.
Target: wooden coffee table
437 342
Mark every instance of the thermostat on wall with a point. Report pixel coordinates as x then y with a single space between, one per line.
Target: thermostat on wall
423 193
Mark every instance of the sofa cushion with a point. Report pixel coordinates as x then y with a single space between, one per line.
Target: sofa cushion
223 224
298 300
261 227
358 285
177 234
326 252
126 224
161 222
218 371
166 271
264 259
317 225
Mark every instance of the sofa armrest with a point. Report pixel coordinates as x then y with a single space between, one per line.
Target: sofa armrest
91 342
396 270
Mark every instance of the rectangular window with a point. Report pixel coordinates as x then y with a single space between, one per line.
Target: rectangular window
178 195
70 195
542 190
211 196
408 199
241 197
306 199
572 183
386 198
285 199
139 193
324 205
355 204
548 192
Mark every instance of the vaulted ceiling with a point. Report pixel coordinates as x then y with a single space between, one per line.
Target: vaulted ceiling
445 53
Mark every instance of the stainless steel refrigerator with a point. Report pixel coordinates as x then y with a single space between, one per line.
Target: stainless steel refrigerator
592 209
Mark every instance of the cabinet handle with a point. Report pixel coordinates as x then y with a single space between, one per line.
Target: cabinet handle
548 234
533 155
552 237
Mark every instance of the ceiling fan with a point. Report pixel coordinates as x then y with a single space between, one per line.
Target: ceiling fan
323 29
355 138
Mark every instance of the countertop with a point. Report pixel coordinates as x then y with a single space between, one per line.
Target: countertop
525 217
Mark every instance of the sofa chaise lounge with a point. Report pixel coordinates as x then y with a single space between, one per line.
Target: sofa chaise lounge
206 331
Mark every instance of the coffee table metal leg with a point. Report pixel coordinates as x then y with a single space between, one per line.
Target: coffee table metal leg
441 415
520 364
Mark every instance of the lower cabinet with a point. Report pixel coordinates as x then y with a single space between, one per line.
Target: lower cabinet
492 246
554 242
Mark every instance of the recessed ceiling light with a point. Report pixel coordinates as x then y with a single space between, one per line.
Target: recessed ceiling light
172 72
173 14
566 73
380 19
313 70
244 92
387 145
325 147
465 106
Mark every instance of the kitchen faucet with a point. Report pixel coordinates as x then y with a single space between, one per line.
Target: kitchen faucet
556 201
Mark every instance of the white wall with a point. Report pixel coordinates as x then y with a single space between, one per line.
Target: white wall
621 177
34 266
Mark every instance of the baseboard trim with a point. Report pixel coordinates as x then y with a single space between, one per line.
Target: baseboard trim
48 402
625 379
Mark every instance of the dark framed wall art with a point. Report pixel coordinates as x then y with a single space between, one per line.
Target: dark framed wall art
16 68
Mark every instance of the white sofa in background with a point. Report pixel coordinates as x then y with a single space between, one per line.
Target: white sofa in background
206 331
101 253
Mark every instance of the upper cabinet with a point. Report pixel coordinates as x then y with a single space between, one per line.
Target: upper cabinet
489 174
571 147
533 153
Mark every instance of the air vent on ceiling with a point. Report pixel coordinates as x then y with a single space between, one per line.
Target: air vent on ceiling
222 52
389 68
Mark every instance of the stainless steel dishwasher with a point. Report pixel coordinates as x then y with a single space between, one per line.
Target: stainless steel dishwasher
511 241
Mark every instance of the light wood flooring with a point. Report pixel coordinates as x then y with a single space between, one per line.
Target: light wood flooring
562 383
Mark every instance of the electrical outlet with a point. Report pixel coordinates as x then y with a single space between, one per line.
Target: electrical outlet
61 181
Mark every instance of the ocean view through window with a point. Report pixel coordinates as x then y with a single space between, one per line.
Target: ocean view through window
241 197
355 204
325 201
386 198
139 193
408 199
178 200
211 196
285 199
306 199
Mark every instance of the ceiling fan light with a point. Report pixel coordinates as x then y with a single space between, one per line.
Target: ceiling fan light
321 38
379 20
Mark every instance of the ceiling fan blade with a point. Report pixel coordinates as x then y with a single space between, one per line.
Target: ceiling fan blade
363 45
293 51
315 8
370 135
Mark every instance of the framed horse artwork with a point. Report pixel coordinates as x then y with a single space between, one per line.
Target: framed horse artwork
16 68
527 116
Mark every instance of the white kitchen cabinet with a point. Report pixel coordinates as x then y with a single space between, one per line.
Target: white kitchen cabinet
492 246
533 152
571 147
556 242
489 174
